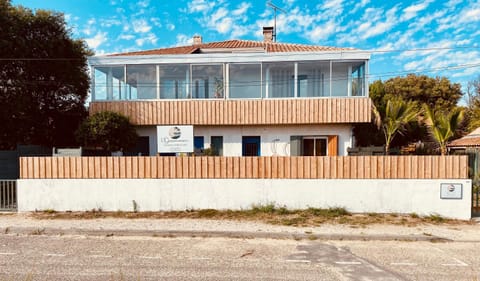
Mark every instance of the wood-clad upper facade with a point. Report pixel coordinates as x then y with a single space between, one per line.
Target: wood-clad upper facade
241 112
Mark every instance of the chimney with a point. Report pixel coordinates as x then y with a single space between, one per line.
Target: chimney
268 34
197 40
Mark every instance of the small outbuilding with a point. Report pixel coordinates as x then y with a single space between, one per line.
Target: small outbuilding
467 143
470 145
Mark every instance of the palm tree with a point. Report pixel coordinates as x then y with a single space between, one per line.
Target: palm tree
443 125
398 113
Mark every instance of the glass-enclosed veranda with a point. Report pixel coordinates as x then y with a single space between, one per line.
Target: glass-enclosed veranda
229 80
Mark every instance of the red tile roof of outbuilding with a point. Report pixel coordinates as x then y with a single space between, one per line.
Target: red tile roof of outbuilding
472 139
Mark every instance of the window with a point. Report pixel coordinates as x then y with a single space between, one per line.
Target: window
314 146
173 81
216 144
340 79
110 83
198 142
278 79
207 81
245 81
302 84
313 78
142 81
358 80
310 145
251 146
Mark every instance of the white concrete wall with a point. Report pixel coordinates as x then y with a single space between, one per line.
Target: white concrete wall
275 140
358 196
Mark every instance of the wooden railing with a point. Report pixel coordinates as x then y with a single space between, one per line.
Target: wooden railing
242 112
302 167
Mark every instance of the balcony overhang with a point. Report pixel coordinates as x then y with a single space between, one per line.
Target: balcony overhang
242 112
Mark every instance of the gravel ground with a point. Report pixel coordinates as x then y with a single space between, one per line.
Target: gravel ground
454 232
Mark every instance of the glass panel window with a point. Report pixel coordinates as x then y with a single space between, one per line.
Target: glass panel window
340 79
313 79
173 81
141 81
198 144
245 81
207 81
278 79
109 82
251 146
358 80
216 144
314 146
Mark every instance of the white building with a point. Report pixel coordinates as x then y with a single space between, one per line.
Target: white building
238 97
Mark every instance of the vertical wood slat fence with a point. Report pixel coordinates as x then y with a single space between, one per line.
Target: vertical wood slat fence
204 167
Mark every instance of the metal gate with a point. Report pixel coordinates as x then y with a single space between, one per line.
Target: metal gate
475 197
474 173
8 195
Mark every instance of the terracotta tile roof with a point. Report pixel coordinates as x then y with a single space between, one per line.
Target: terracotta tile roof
472 139
235 44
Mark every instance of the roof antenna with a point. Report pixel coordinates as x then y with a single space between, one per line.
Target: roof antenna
275 8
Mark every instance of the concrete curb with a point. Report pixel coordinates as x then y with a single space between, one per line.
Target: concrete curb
219 234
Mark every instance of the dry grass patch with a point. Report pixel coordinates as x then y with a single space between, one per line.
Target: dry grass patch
270 213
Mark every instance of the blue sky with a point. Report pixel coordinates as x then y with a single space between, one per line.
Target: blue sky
434 37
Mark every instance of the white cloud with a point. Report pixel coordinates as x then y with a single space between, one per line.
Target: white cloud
200 6
453 3
295 21
156 21
183 40
126 37
412 10
219 14
219 21
459 20
321 32
442 58
421 22
242 9
224 26
240 30
359 6
329 9
141 26
170 26
90 28
149 38
109 22
471 15
464 42
332 4
143 3
97 40
382 26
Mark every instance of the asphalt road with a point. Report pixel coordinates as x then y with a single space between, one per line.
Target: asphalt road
39 257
